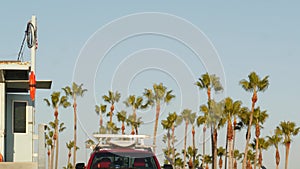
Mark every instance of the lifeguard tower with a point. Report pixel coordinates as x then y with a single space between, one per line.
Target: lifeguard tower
17 107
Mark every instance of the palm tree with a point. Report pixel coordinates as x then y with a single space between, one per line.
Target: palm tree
192 119
122 117
287 129
254 85
231 109
236 156
56 101
178 121
135 103
275 140
50 143
100 110
201 120
112 98
191 153
207 159
221 152
186 113
134 123
74 92
209 82
155 96
167 124
259 117
263 145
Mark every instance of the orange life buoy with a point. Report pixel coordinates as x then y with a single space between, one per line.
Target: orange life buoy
32 85
1 157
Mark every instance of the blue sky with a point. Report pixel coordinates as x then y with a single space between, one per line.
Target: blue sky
247 36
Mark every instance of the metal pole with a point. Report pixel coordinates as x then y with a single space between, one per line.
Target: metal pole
33 49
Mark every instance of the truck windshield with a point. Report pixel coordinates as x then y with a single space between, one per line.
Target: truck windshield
123 160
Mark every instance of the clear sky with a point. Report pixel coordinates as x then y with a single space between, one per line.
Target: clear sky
129 45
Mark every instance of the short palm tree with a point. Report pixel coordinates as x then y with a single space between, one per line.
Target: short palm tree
263 145
236 156
56 101
74 91
111 98
254 84
122 118
287 129
100 110
221 152
210 82
135 103
167 125
207 159
155 96
275 140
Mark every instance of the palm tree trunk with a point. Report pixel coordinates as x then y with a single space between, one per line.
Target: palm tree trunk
184 145
155 125
56 153
56 138
75 131
277 157
194 147
52 156
256 153
230 163
204 131
220 162
254 99
226 148
173 147
49 159
287 150
215 153
69 156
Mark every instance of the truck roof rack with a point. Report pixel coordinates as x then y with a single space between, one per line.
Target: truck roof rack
123 141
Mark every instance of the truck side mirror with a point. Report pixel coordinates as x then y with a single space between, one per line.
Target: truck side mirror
168 166
80 166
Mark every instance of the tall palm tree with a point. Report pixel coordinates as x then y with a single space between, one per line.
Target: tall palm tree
216 119
186 113
56 101
254 84
259 118
155 96
192 119
231 109
100 110
275 140
135 103
208 83
74 91
178 121
122 118
287 129
111 98
221 152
